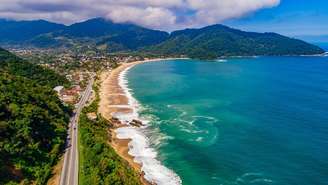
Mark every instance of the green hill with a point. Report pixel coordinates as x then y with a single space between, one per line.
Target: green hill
101 32
218 40
104 35
33 127
15 66
16 32
33 121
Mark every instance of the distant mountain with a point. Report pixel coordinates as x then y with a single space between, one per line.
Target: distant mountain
21 31
100 34
218 40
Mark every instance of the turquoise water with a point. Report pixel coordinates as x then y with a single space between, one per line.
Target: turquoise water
251 121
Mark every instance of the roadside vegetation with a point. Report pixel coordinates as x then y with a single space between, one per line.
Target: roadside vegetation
33 121
99 163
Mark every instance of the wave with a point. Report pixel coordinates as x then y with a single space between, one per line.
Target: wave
197 130
221 60
139 146
253 178
132 103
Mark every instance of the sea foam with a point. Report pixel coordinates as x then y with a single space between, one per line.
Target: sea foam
221 60
139 146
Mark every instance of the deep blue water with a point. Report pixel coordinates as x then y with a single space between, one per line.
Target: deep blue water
250 121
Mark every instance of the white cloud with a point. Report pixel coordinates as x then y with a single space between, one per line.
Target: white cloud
160 14
214 11
149 17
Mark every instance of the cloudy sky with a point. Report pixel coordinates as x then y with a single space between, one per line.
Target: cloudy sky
258 15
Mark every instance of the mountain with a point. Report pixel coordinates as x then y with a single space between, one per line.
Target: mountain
218 40
33 121
21 31
94 32
100 34
105 33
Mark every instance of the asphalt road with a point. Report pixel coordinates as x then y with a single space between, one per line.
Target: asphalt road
70 170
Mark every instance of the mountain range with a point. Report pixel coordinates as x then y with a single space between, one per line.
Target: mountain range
104 35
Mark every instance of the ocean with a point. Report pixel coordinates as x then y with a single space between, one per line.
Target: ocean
238 121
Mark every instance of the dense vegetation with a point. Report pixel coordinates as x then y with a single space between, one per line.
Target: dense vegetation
18 67
96 32
99 163
105 36
32 121
108 35
218 40
20 31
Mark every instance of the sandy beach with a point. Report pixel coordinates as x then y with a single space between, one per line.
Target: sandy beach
114 102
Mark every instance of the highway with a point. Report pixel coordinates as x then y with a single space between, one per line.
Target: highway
70 170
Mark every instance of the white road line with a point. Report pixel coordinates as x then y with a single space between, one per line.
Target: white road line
71 166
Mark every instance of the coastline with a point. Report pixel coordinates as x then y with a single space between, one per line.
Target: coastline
118 105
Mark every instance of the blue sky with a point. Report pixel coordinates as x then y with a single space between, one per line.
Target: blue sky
290 17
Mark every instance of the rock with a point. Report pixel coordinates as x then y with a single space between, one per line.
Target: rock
136 123
115 121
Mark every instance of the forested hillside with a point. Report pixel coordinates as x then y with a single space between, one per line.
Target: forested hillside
97 32
33 121
13 65
99 163
103 35
20 31
218 40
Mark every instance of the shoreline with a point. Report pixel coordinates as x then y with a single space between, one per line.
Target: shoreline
113 97
117 104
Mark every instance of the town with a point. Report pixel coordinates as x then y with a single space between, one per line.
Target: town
76 67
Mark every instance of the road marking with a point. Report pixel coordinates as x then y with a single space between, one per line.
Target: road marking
70 166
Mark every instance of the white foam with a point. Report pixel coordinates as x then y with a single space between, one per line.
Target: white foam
221 60
155 172
199 139
132 103
139 146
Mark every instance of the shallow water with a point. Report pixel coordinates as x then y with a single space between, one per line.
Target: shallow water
246 121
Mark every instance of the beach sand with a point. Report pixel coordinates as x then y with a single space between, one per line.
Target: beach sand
121 148
113 99
114 102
